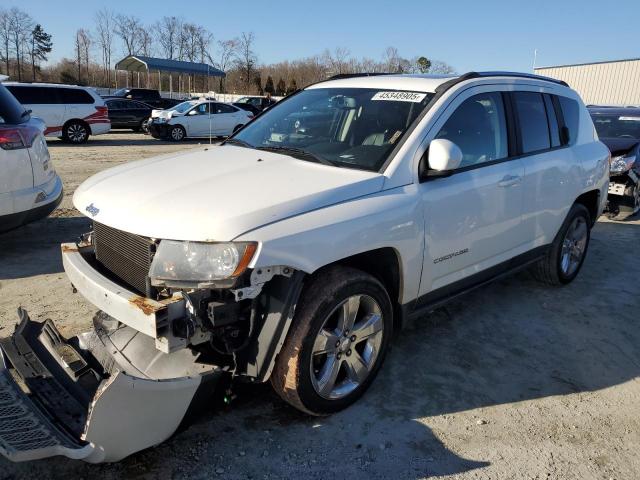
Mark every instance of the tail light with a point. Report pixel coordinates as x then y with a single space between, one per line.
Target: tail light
102 111
17 137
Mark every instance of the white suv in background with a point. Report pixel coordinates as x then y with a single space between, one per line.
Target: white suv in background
29 186
70 112
293 251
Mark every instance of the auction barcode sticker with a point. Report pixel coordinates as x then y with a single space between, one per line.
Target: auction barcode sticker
400 96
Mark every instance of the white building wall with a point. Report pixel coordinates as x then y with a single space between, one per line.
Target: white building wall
605 83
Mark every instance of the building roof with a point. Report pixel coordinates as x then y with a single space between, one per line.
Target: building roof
588 63
139 63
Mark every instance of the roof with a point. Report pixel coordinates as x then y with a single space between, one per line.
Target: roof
421 82
139 63
616 111
588 63
46 84
416 83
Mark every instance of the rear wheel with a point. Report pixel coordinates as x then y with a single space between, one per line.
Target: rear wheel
75 132
177 133
566 255
338 340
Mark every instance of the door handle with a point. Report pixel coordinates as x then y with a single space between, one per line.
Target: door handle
510 181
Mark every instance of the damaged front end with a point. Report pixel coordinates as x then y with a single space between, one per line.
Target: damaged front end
154 358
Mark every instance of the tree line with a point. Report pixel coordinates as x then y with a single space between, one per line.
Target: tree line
25 46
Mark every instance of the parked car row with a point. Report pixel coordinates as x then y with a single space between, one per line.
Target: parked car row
74 113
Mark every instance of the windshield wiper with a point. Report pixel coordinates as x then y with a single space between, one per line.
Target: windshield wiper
298 153
235 141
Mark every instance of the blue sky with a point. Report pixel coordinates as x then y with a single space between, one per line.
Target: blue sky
470 35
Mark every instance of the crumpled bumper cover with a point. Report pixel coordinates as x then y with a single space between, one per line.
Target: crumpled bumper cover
79 399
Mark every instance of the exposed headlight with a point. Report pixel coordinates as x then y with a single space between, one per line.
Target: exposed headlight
199 264
160 120
621 164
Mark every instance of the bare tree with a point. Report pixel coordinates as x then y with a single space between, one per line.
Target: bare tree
5 38
82 47
440 67
20 27
168 34
227 51
337 61
128 27
105 24
246 58
146 41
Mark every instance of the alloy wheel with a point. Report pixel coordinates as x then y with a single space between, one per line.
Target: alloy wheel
177 133
346 347
573 246
76 133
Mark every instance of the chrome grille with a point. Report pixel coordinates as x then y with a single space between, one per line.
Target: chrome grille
126 255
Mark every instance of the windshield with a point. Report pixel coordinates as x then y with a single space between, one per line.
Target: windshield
183 107
617 126
345 127
121 92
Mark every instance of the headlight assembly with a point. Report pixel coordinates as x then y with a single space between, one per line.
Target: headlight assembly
621 164
199 264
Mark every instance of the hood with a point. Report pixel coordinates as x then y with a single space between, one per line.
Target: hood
216 193
620 146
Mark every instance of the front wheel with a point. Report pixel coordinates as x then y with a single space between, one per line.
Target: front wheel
337 342
566 255
177 133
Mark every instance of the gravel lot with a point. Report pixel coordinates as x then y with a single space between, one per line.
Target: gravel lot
515 380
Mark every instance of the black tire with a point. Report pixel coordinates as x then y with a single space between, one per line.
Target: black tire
76 132
324 293
143 127
174 136
549 268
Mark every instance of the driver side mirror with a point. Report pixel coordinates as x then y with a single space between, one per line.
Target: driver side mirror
193 112
441 159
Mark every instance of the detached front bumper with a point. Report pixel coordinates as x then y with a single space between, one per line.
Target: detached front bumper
98 397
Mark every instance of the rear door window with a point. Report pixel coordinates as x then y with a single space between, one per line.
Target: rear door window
222 108
532 119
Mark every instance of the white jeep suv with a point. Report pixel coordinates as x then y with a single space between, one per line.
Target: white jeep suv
292 252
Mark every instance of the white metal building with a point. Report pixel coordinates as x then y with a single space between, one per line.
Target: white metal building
616 82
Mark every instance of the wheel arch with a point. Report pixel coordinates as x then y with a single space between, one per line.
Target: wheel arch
77 120
591 200
385 265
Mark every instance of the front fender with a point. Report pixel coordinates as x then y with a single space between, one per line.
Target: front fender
391 218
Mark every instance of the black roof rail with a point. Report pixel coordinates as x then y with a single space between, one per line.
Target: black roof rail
340 76
472 75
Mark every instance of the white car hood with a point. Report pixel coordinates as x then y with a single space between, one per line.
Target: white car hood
215 194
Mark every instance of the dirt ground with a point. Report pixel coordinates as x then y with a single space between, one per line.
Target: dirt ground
514 381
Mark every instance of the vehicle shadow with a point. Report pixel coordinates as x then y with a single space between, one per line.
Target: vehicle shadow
512 341
40 240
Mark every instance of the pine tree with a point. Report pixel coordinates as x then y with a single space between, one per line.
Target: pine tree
281 88
41 45
268 86
293 87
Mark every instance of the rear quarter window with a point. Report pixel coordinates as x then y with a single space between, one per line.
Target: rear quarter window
571 115
11 111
